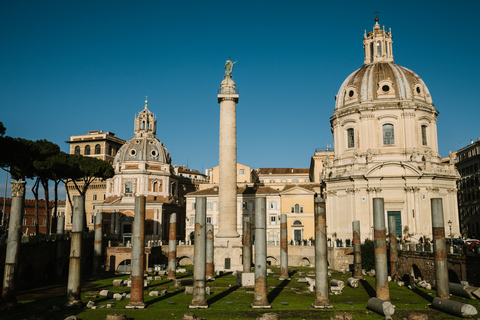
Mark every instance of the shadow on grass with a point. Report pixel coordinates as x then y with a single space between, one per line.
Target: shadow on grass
221 295
222 275
293 272
275 292
167 296
423 294
368 288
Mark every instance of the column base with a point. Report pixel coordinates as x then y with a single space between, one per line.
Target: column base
321 306
198 304
284 278
74 304
140 305
260 306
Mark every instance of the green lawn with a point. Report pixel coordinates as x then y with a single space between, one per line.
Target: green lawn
290 299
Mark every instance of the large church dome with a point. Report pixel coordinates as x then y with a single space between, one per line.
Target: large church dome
144 146
380 79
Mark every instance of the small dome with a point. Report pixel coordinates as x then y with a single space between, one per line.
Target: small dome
143 149
382 82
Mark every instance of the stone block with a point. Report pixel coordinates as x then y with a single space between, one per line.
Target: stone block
248 279
162 272
129 283
153 293
182 282
302 280
106 293
146 283
158 278
90 304
91 296
118 283
189 290
181 270
116 316
189 316
150 278
118 296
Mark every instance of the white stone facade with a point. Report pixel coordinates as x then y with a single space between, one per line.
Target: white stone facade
385 145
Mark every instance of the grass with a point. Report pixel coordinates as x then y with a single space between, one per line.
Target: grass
227 301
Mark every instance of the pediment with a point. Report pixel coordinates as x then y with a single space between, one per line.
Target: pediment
393 169
297 191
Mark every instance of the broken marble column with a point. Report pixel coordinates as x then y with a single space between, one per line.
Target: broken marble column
380 245
172 248
200 249
439 249
283 248
138 251
393 248
247 245
60 244
9 295
260 290
322 301
210 272
382 307
357 250
454 307
74 291
97 246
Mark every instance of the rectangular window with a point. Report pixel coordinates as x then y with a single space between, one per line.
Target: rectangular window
424 135
244 205
128 188
94 197
272 181
44 222
104 196
241 172
292 209
388 134
192 221
24 222
351 138
194 205
34 222
273 205
209 206
209 219
273 219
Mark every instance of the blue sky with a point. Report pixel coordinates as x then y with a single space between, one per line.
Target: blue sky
68 67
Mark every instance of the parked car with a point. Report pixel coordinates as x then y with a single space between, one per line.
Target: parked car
468 242
473 244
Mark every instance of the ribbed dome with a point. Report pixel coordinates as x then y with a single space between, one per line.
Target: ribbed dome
382 82
143 148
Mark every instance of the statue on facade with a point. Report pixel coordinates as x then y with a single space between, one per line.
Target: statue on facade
229 67
451 157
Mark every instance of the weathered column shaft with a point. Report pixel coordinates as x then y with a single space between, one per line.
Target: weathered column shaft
321 266
357 250
227 161
283 247
247 245
60 244
74 271
260 291
209 272
199 271
97 247
138 252
393 247
9 295
172 248
380 245
439 249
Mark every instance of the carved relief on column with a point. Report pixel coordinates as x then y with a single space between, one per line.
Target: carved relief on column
18 188
433 189
374 189
452 190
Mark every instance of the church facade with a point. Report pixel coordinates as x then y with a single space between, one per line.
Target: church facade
385 146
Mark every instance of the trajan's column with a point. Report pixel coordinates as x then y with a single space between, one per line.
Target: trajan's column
228 98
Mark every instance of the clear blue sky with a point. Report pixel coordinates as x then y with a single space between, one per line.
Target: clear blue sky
68 67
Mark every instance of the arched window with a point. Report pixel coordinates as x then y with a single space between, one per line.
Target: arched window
371 51
351 138
379 49
386 49
424 135
296 209
297 223
87 150
388 134
77 150
97 149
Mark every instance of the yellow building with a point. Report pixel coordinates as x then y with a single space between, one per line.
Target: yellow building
97 144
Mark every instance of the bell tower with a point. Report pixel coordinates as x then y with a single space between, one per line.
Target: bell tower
145 123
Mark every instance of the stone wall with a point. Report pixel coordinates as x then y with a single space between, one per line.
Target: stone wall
421 264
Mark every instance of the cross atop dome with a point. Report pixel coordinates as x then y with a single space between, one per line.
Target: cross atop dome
377 44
